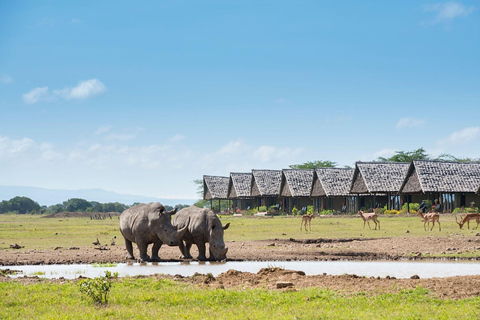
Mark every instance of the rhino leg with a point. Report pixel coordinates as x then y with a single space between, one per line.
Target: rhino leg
201 251
142 247
184 251
128 245
187 250
156 247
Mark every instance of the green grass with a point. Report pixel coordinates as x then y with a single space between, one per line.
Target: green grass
132 298
37 232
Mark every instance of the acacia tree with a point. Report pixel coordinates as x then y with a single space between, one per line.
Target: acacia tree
314 164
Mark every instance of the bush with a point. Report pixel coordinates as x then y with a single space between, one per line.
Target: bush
262 209
392 212
326 212
98 288
413 207
294 211
309 209
465 210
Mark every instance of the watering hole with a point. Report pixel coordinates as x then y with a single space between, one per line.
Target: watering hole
398 269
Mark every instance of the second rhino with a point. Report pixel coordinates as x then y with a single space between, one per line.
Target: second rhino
204 227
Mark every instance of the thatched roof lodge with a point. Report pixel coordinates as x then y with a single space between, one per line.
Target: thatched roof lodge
215 187
380 179
454 184
331 189
239 190
296 187
266 186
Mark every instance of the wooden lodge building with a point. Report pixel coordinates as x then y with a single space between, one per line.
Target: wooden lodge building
266 187
453 184
378 184
331 190
296 188
369 185
240 190
215 188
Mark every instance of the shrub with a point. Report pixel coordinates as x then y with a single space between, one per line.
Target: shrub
262 209
98 288
413 207
310 210
326 212
294 211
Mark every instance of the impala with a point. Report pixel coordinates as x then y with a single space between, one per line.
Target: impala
466 218
369 216
306 219
427 217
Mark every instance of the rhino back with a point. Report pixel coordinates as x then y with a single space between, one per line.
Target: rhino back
138 220
199 222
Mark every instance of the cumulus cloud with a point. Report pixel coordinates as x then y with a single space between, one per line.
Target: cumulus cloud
448 11
5 78
407 122
84 90
463 136
36 95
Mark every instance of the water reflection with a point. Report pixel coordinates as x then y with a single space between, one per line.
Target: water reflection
398 269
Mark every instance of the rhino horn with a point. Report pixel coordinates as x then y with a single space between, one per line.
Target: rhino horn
181 232
225 252
172 212
225 227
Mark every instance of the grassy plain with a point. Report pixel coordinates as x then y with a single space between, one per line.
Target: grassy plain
40 232
133 298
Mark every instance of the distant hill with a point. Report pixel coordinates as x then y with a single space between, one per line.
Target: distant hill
50 197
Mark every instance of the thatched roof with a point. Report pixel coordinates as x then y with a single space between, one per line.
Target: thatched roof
240 185
378 177
266 183
296 182
215 187
442 176
332 182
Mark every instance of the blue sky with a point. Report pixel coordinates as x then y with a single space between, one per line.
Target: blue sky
143 98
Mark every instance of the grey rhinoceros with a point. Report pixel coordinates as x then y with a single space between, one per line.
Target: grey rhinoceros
149 223
203 226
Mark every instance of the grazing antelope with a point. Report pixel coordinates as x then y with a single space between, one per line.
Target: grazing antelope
369 216
97 243
306 219
427 217
466 218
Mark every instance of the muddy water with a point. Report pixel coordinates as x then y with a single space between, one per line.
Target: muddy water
398 269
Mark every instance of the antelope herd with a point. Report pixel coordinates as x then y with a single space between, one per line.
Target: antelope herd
426 218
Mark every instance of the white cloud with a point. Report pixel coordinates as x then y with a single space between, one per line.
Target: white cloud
84 90
406 122
76 20
448 11
36 95
463 136
5 78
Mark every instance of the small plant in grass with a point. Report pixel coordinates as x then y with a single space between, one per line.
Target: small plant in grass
98 288
262 209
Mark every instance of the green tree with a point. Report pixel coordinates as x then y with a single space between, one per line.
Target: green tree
314 164
22 205
402 156
76 205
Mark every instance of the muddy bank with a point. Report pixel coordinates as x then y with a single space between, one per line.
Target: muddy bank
265 250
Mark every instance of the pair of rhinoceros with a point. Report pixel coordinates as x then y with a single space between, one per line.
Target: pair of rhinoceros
151 223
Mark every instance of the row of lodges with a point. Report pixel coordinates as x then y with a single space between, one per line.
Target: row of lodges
368 185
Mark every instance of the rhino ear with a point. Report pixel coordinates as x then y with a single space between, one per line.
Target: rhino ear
225 227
